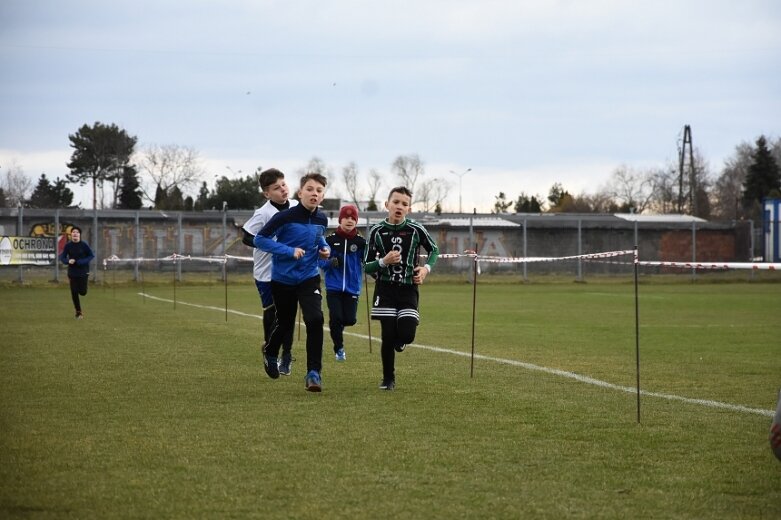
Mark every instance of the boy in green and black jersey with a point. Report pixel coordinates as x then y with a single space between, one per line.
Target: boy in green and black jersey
392 250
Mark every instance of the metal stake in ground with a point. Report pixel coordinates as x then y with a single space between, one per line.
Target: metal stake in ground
368 314
474 305
637 337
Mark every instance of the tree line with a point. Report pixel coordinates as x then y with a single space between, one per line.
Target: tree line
748 176
105 157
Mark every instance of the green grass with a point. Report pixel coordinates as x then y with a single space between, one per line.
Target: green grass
141 410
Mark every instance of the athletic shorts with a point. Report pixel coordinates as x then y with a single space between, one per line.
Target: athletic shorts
264 289
393 300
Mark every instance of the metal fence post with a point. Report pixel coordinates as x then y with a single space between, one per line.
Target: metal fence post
694 250
525 274
224 230
179 246
95 242
138 248
580 251
19 226
56 243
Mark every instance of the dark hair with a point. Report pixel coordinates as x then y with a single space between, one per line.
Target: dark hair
77 228
269 177
317 177
400 189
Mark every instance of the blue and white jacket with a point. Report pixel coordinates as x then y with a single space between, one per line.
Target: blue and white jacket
344 269
294 227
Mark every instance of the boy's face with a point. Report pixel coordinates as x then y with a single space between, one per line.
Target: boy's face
277 192
347 224
398 206
311 194
75 235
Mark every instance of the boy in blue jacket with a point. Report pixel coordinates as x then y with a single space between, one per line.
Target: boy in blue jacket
295 276
343 276
77 255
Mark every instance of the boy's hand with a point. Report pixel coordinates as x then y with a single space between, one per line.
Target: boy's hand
298 253
71 261
420 275
325 253
392 258
335 261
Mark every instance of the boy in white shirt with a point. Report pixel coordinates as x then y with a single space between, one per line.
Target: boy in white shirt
274 188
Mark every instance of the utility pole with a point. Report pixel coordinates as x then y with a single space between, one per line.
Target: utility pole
687 141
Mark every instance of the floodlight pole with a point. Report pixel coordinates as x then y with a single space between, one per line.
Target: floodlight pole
460 176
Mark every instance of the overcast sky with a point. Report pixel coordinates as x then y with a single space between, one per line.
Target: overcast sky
525 93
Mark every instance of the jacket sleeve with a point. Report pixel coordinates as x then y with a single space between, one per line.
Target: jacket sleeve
270 245
90 256
370 262
248 238
64 255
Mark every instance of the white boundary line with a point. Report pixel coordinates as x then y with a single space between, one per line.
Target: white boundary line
527 366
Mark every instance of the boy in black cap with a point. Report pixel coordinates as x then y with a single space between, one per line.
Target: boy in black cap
77 255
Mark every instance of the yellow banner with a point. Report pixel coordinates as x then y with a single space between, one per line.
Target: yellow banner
27 250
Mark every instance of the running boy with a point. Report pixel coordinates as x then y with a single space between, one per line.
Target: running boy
343 276
77 255
295 278
274 188
392 253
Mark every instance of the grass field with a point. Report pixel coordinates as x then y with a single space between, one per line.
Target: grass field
143 410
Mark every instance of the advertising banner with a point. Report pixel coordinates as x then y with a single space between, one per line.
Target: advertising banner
27 250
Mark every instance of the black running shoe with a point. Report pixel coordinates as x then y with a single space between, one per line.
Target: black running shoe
400 347
270 364
285 364
387 384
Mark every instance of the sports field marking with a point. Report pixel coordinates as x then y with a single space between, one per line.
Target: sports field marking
527 366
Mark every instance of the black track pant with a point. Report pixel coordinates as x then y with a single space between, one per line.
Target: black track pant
78 287
286 299
342 312
396 307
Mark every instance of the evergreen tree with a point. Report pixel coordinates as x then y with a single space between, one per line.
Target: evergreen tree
501 204
175 199
202 202
763 178
3 200
556 194
48 195
100 152
238 193
129 189
160 198
526 204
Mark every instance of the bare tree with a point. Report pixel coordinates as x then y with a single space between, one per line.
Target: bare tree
728 188
630 188
316 165
171 166
375 182
432 193
350 178
664 190
16 186
408 168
